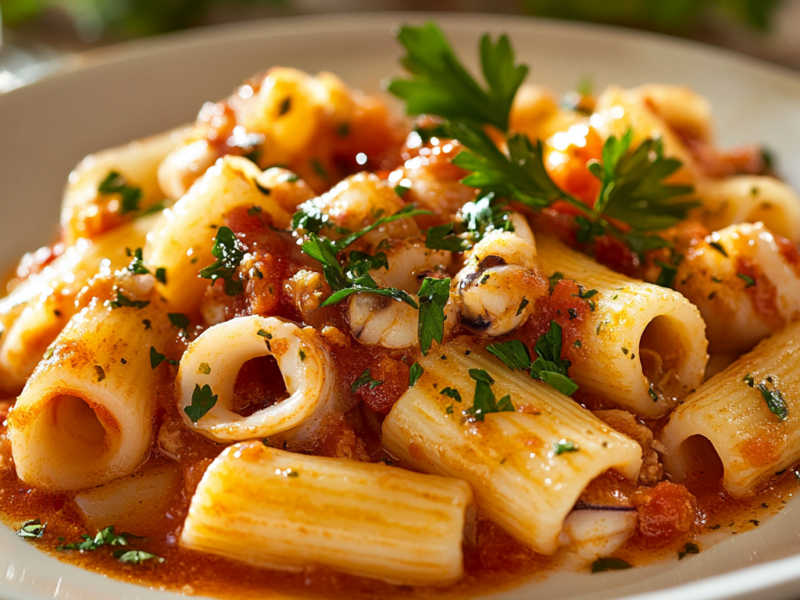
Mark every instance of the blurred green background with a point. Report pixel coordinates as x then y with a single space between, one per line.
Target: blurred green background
36 34
95 20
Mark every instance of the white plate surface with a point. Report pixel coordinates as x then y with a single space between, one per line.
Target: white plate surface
109 97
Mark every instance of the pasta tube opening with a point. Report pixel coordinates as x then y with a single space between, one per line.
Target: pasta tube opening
73 428
215 360
643 346
85 417
663 363
749 413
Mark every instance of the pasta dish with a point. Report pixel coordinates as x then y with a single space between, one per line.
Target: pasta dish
310 346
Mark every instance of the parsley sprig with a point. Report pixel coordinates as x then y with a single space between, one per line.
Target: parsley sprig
229 254
442 86
633 198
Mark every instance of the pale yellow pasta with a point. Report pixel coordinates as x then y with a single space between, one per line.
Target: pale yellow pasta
284 115
749 199
182 240
745 286
35 312
136 162
214 360
621 109
276 509
510 459
86 414
643 347
751 441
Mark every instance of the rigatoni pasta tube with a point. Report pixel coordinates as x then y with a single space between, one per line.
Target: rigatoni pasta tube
182 241
528 467
214 360
731 411
36 311
137 163
281 510
85 416
746 283
643 347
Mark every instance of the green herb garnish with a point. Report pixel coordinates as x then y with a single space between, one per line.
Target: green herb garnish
485 401
115 183
203 400
229 254
433 296
365 379
414 374
32 529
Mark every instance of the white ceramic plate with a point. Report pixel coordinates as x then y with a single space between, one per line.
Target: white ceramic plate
109 97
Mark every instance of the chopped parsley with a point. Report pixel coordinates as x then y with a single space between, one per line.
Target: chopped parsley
101 374
264 334
179 320
689 548
116 183
401 190
748 281
485 401
319 169
513 353
161 275
365 379
203 400
204 368
229 254
135 557
564 447
354 277
285 106
719 248
104 537
451 393
666 277
548 366
773 397
32 529
555 278
610 564
522 306
156 358
444 237
433 296
137 264
123 301
414 374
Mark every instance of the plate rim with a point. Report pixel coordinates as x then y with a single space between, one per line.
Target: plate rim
769 576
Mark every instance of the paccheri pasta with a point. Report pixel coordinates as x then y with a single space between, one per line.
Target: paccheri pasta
308 346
